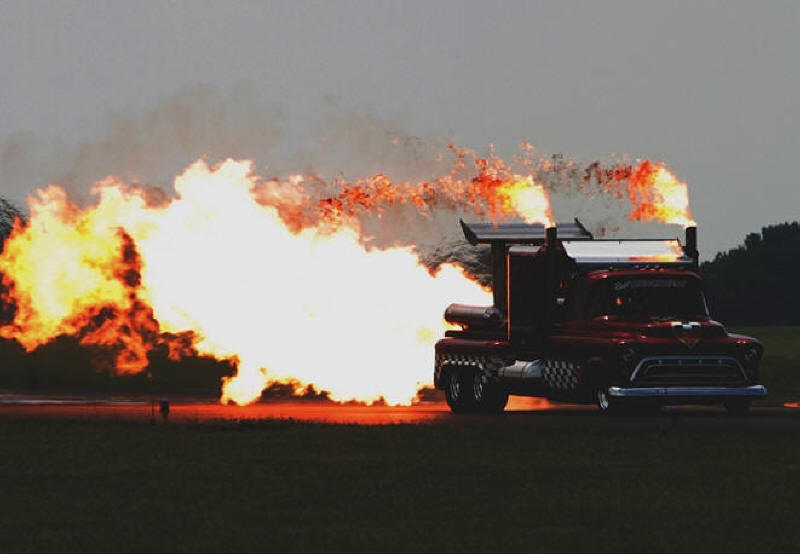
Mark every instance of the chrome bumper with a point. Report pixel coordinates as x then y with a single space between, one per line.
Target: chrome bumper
688 392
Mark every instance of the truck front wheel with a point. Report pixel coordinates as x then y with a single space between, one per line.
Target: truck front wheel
608 404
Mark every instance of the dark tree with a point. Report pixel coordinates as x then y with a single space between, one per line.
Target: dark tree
759 282
8 214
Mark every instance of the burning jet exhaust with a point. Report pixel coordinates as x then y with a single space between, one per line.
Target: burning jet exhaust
277 276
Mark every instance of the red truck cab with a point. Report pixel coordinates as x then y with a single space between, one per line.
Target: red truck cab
620 323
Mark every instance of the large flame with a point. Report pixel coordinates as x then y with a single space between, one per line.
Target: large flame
246 270
528 198
277 276
76 273
657 195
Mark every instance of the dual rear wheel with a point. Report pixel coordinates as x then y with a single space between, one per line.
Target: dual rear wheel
468 391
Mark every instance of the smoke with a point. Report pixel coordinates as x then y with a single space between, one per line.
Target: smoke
366 178
333 147
354 142
149 147
200 121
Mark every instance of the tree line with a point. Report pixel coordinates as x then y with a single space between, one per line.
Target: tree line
9 213
758 282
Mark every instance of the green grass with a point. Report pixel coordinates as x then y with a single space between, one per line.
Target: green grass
528 483
780 367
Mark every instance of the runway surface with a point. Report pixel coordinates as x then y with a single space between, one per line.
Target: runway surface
185 410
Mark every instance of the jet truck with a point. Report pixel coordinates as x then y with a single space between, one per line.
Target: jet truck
620 323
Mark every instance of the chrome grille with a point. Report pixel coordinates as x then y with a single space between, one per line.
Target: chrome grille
688 371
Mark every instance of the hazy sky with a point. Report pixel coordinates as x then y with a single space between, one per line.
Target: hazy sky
710 88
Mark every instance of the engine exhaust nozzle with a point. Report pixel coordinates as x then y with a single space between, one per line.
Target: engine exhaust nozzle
551 237
690 249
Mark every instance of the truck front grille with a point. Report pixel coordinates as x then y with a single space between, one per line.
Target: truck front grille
688 371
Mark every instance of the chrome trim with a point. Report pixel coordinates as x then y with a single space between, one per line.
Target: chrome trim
521 369
682 392
687 358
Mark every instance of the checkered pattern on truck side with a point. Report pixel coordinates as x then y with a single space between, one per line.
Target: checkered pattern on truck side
488 365
560 375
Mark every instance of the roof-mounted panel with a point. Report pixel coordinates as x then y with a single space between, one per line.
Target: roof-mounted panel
627 252
521 233
523 250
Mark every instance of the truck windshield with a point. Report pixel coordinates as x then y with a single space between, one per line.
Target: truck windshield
652 297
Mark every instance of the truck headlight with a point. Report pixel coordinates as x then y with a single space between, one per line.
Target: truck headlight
750 357
628 355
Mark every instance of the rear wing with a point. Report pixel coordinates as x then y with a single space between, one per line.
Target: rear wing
600 254
501 235
521 233
580 245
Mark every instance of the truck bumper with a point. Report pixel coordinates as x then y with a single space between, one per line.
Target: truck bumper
754 391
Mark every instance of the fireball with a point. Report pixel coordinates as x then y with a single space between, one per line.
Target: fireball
278 277
657 195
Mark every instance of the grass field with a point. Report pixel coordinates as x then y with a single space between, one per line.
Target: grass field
780 367
538 483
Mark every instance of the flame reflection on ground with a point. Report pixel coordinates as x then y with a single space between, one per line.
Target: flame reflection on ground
209 410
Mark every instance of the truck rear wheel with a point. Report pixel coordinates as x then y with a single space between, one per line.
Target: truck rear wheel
459 392
489 397
496 403
467 392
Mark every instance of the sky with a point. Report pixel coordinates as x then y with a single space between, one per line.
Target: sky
709 88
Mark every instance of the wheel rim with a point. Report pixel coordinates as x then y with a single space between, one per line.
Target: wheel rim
477 386
455 386
602 399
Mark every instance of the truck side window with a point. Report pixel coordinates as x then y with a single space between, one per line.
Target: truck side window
575 307
598 303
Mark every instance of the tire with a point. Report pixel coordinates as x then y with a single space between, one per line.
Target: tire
608 404
488 397
466 392
496 404
458 392
737 406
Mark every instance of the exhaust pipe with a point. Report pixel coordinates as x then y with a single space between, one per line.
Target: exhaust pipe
550 237
474 317
690 249
551 278
532 287
499 278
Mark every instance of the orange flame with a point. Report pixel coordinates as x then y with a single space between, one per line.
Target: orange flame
657 195
73 272
308 306
529 199
495 192
271 274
